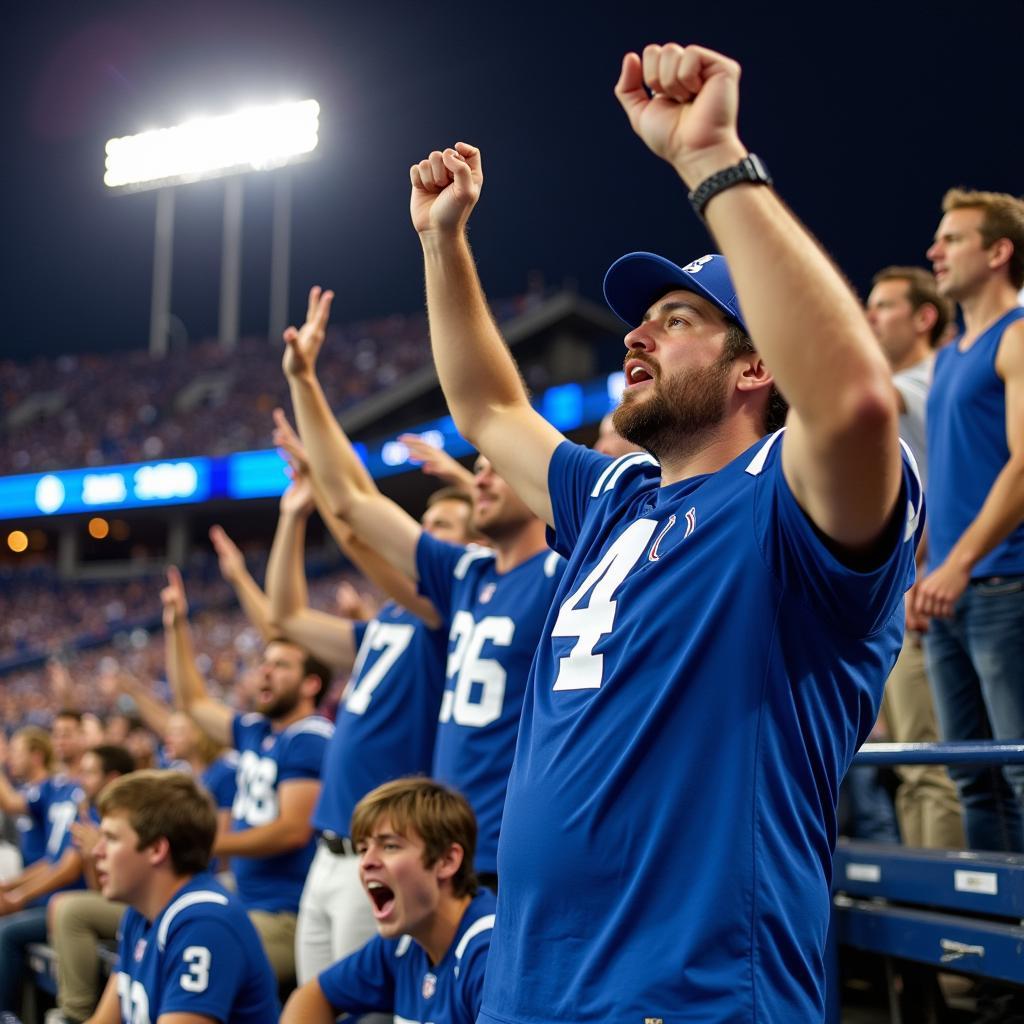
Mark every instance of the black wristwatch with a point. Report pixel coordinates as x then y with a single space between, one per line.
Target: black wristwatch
749 169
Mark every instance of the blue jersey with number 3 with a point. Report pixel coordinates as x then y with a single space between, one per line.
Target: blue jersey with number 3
266 759
387 720
708 671
201 955
495 620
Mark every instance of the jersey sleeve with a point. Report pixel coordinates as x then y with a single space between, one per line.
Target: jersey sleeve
304 756
220 780
856 603
436 563
202 971
573 474
363 982
358 633
471 977
36 795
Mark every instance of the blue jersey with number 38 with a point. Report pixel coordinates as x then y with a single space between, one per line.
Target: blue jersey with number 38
201 955
708 671
495 620
266 759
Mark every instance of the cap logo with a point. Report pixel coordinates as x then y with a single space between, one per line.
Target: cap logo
694 267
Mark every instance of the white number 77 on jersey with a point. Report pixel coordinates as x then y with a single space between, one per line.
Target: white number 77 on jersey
582 669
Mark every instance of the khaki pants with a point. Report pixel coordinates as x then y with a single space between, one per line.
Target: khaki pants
927 806
277 933
80 921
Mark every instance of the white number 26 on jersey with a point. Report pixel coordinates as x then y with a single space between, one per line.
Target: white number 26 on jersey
582 669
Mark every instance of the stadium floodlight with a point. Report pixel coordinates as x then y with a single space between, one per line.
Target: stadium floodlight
256 139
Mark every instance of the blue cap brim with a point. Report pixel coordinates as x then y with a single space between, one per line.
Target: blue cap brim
634 282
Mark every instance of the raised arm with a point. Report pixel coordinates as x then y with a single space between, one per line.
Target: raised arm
481 382
232 567
153 712
347 486
841 453
398 586
190 693
437 462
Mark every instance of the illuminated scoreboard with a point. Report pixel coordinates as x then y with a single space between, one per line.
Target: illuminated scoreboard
258 474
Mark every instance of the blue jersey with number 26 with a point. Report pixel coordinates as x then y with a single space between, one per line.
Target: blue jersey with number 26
708 671
266 759
201 955
495 620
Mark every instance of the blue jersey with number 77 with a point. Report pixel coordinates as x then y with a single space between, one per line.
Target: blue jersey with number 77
708 670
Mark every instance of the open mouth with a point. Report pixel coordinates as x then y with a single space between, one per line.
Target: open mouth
637 373
383 899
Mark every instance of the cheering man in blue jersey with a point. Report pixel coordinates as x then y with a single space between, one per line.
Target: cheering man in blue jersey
281 750
492 601
187 951
387 719
720 640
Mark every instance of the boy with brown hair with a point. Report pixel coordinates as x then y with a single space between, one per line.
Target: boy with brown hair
187 947
416 840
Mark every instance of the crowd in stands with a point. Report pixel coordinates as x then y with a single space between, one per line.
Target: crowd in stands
111 408
644 670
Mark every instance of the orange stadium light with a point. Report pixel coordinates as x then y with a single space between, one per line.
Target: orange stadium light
255 139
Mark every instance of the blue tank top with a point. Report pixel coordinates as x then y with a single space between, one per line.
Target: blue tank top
967 448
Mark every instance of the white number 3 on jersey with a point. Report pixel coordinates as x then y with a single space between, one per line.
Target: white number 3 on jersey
197 977
582 669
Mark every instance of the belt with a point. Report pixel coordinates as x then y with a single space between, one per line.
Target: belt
341 846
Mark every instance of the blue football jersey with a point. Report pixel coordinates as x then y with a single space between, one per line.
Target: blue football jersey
200 955
387 719
495 622
219 780
32 826
266 759
708 670
62 798
395 976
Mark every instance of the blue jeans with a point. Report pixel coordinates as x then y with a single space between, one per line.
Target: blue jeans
16 932
872 815
976 667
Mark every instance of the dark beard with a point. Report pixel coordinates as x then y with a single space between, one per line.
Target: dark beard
674 420
285 704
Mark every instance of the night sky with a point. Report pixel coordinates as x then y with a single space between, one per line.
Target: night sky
864 113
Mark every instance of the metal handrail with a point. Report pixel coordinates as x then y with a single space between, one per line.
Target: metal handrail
980 752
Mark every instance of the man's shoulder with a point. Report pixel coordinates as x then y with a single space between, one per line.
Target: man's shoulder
195 908
315 726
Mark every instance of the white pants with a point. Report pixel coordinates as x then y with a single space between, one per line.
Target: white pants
335 918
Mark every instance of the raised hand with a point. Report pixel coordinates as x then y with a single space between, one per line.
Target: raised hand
229 556
351 604
172 597
436 461
689 116
302 345
287 439
445 188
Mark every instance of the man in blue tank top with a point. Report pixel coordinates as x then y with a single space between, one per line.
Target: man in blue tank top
719 643
186 949
974 591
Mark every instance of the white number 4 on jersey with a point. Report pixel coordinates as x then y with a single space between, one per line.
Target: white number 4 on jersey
582 669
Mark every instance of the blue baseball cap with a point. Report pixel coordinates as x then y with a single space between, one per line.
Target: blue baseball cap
636 281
